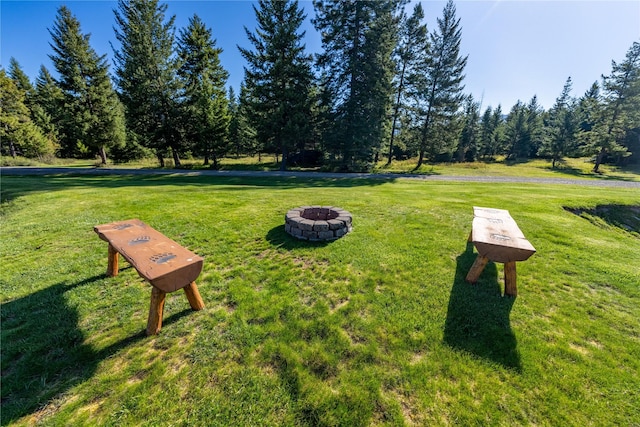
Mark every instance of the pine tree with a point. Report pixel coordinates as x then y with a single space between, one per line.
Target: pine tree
535 128
48 106
146 73
589 108
485 133
589 114
561 127
93 114
516 141
358 38
491 132
21 80
441 89
18 133
412 43
247 134
279 77
498 132
205 106
622 107
233 123
468 143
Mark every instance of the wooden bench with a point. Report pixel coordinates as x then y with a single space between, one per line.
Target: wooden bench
158 259
497 238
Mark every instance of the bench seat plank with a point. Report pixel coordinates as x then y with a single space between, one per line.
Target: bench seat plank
497 237
158 259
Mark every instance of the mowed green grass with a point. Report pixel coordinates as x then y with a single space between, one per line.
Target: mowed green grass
376 328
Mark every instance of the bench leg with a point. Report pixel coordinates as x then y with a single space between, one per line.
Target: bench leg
112 263
476 269
193 295
154 324
510 287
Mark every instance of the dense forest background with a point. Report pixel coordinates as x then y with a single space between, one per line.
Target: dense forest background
384 87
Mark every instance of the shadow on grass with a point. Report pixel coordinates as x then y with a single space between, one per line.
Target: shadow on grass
281 239
15 186
43 350
624 217
478 316
563 169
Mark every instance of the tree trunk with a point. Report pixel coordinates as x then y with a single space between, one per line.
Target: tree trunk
427 123
103 155
176 158
12 149
215 162
599 157
461 153
160 158
420 159
285 155
395 112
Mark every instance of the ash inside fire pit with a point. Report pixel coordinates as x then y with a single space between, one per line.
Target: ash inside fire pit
317 223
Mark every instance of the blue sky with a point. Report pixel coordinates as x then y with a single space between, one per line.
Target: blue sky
516 48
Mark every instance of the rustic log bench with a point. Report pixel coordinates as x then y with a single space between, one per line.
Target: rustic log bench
497 238
166 265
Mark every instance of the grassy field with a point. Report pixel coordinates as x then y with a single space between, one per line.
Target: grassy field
573 168
376 328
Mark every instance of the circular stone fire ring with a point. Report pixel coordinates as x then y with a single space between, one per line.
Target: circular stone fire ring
317 223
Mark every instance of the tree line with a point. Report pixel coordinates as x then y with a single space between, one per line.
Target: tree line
384 87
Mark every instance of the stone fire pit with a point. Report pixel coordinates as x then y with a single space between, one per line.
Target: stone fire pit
317 223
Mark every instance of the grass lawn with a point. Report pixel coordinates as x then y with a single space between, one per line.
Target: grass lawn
376 328
569 168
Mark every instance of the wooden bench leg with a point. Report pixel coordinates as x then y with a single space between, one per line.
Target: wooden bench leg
476 269
193 295
154 324
510 287
112 263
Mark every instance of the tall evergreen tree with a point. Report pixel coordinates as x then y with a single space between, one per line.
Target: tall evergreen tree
561 127
233 123
485 133
21 80
491 132
93 114
247 136
242 137
146 73
412 43
48 94
589 108
37 112
205 106
516 132
358 38
18 133
468 143
621 93
441 89
589 113
535 128
47 106
279 77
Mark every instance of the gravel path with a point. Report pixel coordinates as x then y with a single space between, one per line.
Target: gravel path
267 174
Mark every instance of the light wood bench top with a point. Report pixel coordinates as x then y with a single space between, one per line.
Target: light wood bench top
158 259
497 237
